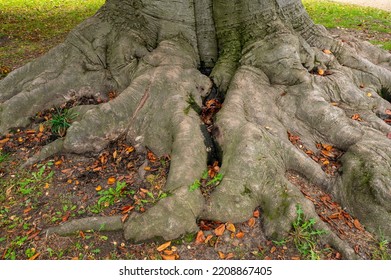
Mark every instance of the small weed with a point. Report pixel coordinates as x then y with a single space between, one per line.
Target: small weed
382 252
110 196
304 235
61 121
27 185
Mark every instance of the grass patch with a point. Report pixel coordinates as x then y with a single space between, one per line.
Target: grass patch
34 26
332 15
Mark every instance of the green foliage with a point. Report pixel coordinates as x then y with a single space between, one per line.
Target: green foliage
3 157
109 196
383 250
28 185
304 235
31 24
61 121
198 183
333 15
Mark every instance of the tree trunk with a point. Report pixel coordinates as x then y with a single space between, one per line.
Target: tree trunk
279 75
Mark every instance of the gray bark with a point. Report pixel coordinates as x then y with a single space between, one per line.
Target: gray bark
150 50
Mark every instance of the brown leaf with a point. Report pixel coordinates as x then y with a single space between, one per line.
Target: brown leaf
163 246
66 216
356 117
124 218
82 235
169 258
328 154
3 141
251 222
35 256
200 237
327 147
240 235
168 252
221 255
151 157
273 249
335 216
231 227
209 237
357 225
127 209
41 128
229 256
220 230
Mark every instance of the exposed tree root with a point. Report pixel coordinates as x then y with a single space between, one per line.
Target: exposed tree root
279 72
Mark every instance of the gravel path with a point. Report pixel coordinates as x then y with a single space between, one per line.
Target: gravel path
380 4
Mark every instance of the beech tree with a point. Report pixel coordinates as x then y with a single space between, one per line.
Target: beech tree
278 75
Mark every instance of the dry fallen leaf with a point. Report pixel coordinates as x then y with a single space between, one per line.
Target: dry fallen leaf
273 249
240 235
35 256
169 258
163 246
251 222
357 225
327 51
256 214
111 181
200 237
220 230
221 255
231 227
98 188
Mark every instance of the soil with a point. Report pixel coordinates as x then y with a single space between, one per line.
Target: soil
121 180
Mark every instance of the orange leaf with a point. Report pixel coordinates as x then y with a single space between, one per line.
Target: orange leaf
220 230
168 252
240 235
200 237
273 249
82 235
356 117
169 258
151 157
128 150
327 147
25 211
209 237
98 188
164 246
221 255
327 153
127 209
229 256
41 128
357 225
147 168
124 217
111 181
327 51
66 216
251 222
231 227
320 71
256 214
35 256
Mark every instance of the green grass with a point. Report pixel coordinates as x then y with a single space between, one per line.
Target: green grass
34 26
332 15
